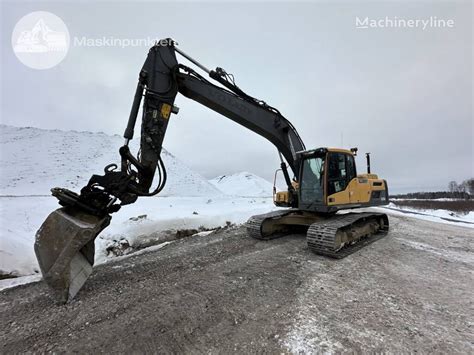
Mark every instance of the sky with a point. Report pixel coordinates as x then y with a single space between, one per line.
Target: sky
402 94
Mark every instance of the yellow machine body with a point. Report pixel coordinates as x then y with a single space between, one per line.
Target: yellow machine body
361 190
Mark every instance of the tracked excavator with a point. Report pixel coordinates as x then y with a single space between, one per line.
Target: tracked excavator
324 180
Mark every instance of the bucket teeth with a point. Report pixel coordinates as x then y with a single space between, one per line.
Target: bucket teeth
64 248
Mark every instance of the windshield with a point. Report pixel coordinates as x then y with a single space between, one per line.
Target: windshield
312 183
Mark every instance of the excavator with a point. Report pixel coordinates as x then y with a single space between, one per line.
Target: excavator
324 186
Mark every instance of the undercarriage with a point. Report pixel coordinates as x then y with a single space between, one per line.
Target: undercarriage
333 235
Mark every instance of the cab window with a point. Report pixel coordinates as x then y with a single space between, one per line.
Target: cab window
351 168
311 186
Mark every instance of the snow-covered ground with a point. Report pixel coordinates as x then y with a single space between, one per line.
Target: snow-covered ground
34 160
20 219
174 213
425 199
442 216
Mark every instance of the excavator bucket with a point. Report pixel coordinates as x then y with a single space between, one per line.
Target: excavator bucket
64 248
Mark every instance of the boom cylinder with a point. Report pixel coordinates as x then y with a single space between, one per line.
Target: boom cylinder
132 119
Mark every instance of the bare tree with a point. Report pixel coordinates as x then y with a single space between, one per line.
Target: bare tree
453 186
470 186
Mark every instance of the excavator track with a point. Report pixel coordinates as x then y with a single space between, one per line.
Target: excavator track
255 223
361 229
336 236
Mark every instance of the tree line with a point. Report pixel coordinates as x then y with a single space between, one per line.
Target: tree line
463 190
465 186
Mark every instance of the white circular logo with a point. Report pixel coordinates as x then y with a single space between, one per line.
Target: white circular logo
40 40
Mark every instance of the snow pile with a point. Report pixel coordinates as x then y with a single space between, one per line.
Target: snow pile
35 160
20 218
243 184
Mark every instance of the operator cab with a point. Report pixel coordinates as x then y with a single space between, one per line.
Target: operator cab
329 182
325 172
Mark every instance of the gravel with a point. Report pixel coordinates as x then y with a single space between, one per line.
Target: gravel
226 293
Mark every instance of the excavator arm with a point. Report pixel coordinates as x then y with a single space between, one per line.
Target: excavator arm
254 115
65 242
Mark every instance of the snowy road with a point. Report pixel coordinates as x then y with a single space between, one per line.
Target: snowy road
224 292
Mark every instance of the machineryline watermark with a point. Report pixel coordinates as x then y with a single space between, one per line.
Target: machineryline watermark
400 22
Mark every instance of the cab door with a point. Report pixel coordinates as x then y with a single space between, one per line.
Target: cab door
341 179
352 181
337 191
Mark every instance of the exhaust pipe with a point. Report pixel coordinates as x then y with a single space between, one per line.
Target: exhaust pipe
367 155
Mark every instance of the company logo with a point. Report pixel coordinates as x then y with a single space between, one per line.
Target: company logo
397 22
40 40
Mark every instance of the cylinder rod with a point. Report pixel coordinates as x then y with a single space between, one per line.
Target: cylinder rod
128 134
192 60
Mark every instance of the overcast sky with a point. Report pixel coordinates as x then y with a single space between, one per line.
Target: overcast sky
403 94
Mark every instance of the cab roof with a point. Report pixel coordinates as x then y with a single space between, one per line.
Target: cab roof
340 150
324 150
